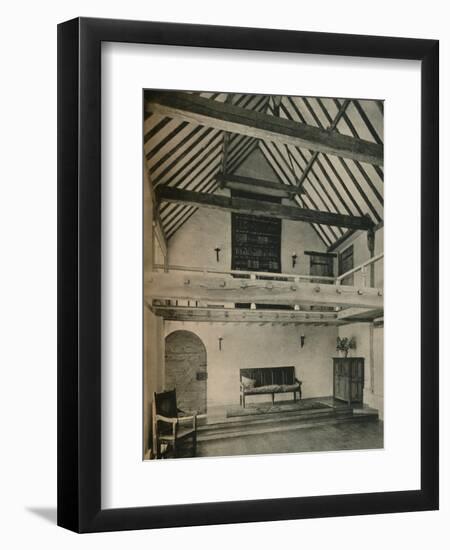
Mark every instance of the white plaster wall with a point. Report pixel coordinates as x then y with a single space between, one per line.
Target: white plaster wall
193 245
153 358
361 254
246 345
376 399
361 331
250 345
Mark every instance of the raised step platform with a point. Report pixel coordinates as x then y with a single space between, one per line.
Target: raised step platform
282 421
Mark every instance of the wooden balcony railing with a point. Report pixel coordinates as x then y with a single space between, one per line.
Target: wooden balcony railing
362 268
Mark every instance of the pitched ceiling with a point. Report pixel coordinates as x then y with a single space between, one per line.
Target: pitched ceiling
189 156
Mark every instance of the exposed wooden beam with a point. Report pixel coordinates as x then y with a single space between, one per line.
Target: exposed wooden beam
231 118
158 230
260 208
276 104
226 144
367 122
316 153
251 274
239 315
360 267
341 240
371 247
307 200
160 236
325 254
242 154
216 288
258 186
226 139
359 314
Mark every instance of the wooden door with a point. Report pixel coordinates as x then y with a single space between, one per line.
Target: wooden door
186 372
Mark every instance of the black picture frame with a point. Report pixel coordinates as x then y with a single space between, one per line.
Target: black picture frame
79 270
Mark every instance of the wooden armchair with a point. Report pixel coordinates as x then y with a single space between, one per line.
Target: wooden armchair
169 428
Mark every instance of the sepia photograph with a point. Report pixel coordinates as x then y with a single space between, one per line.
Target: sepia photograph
263 277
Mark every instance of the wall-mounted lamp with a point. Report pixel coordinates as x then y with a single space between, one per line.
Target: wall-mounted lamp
302 340
217 250
294 260
220 343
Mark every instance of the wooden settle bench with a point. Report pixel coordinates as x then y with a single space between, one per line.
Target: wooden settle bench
269 381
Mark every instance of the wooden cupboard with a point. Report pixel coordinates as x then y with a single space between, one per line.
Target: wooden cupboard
348 379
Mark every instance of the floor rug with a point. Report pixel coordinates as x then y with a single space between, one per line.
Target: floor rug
268 408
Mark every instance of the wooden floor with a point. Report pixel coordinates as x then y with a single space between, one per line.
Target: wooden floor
329 437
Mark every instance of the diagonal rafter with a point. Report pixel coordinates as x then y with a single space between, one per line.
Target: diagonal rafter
359 166
317 177
180 148
226 140
335 232
279 169
315 154
343 163
235 119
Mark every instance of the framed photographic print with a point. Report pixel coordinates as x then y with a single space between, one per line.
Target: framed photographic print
248 275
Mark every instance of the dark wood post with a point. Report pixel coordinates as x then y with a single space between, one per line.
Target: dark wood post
371 247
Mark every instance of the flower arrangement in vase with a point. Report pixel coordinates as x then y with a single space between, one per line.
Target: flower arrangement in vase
345 344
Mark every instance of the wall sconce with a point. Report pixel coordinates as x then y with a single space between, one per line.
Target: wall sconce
302 340
294 260
220 343
217 250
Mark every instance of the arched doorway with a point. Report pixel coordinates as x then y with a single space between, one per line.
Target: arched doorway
186 369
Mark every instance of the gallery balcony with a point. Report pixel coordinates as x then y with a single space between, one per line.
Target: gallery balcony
189 293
